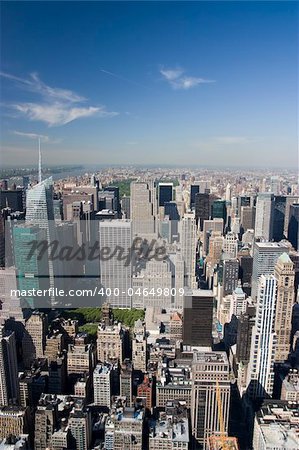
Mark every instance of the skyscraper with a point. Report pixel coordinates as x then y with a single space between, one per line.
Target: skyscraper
293 229
210 391
9 386
260 376
116 273
188 241
278 217
198 318
219 210
265 256
34 339
40 212
285 277
194 190
165 193
264 216
142 213
202 208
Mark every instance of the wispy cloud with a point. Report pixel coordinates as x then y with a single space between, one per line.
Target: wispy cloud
178 80
57 106
35 136
232 139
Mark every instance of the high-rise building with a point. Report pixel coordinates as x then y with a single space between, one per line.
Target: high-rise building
293 228
139 350
110 343
265 256
230 275
124 428
40 212
194 190
165 193
126 207
219 210
46 417
198 318
126 381
260 376
285 276
264 216
188 248
247 217
210 226
80 427
142 210
278 217
145 391
290 200
58 374
12 199
202 208
116 273
102 384
14 420
34 339
210 391
9 386
32 271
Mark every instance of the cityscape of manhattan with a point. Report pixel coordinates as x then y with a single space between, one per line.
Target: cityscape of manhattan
149 225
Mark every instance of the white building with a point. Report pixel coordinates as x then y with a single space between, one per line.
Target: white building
116 272
102 384
264 216
188 239
260 376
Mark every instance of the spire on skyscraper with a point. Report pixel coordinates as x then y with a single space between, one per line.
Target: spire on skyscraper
39 162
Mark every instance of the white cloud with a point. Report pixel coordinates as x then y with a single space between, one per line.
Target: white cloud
178 80
57 107
35 136
232 139
43 137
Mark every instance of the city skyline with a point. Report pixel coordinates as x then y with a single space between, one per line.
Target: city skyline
204 82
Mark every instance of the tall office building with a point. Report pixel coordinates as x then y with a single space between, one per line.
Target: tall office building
275 185
32 272
110 343
139 347
34 339
210 388
219 210
40 212
116 274
202 208
290 200
46 417
126 381
194 190
285 277
165 193
247 217
293 228
9 386
278 217
14 421
142 210
102 375
80 427
264 216
230 275
198 318
188 248
265 256
210 226
260 376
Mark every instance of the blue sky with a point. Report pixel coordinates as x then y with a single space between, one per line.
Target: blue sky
212 83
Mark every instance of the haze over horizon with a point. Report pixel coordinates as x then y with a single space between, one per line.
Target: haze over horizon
204 83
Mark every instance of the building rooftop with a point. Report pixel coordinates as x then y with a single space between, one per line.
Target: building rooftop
279 424
210 357
218 443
